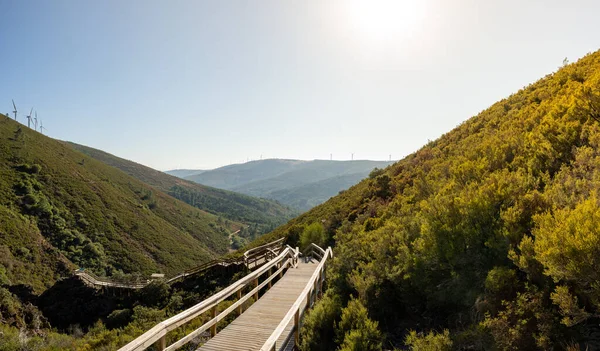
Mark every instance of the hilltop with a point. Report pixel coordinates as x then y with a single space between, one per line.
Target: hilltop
256 215
487 238
298 184
62 210
182 173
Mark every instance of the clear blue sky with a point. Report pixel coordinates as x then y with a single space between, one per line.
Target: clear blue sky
201 84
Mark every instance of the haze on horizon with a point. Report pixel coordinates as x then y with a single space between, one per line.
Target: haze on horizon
191 84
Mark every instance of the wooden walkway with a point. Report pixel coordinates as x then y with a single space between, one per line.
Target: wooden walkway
252 329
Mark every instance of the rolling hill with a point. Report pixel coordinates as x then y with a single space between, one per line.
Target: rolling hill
299 184
485 239
61 209
182 173
261 214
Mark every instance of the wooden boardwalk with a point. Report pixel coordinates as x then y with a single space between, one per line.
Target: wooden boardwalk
252 329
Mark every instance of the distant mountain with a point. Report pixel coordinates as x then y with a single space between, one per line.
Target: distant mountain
262 214
182 173
299 184
60 209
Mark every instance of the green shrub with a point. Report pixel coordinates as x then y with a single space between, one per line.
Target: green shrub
318 331
431 341
119 318
155 294
314 233
356 331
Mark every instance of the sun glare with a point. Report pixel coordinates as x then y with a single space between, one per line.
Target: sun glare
387 21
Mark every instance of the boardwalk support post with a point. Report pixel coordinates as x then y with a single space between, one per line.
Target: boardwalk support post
161 344
256 293
239 296
268 275
213 328
297 330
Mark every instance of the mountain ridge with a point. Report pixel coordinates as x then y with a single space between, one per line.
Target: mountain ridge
287 180
232 206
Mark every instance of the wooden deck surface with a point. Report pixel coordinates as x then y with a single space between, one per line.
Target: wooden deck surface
250 330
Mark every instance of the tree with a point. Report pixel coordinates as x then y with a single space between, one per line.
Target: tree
314 233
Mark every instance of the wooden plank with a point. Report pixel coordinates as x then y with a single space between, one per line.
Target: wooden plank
253 327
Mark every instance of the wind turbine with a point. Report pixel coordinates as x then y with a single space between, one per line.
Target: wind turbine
35 122
29 118
15 111
42 127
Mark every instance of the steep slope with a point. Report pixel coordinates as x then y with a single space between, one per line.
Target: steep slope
262 214
287 181
491 232
60 209
306 196
182 173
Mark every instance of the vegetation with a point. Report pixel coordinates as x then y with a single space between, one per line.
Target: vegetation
234 210
73 316
61 210
484 239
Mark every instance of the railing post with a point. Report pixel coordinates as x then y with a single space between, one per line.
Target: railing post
297 329
239 296
161 343
213 328
270 281
256 293
321 279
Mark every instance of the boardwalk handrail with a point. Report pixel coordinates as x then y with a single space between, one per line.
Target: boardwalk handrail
93 279
251 256
294 312
264 247
157 334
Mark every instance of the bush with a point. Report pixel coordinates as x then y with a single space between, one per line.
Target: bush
155 294
356 331
118 318
318 328
431 341
314 233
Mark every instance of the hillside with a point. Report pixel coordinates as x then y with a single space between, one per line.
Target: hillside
262 215
182 173
307 196
61 209
299 184
487 238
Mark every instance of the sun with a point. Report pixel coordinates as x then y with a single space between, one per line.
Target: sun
380 21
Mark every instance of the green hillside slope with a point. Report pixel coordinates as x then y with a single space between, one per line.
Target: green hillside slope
60 209
182 173
306 196
289 181
263 215
491 232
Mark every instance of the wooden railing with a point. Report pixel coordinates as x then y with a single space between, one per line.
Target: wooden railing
266 251
313 289
251 258
157 335
92 279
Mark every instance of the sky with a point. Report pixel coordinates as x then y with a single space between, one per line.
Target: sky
201 84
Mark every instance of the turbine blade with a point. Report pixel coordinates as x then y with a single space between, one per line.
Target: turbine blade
15 106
